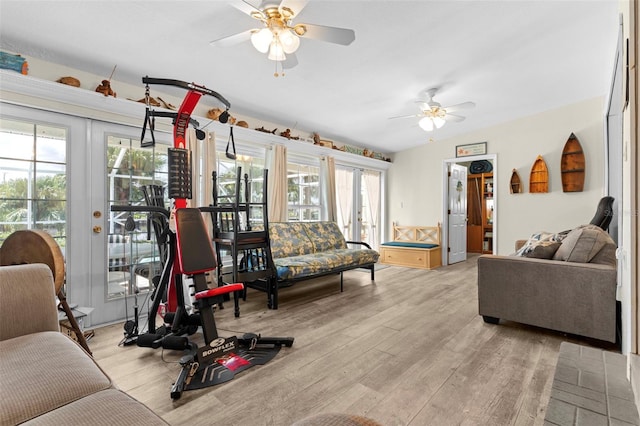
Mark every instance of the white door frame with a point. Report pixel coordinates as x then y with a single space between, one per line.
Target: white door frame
444 238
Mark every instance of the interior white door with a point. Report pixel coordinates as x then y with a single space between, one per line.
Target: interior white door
457 200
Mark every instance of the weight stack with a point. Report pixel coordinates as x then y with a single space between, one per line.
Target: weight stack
179 173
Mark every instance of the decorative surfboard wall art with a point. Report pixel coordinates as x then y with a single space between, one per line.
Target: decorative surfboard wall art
539 179
515 185
572 165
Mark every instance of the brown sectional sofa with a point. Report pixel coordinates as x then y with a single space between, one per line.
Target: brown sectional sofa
573 292
45 377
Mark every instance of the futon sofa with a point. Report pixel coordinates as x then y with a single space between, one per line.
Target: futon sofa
305 250
566 284
45 377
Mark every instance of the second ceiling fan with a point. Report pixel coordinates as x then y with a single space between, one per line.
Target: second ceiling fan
433 115
279 36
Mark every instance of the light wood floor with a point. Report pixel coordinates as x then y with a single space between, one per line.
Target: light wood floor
407 349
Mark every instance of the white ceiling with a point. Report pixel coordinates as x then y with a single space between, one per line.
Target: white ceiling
512 58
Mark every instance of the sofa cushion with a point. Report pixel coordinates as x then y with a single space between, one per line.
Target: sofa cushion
99 409
325 236
542 250
35 282
583 244
307 264
43 371
289 239
317 263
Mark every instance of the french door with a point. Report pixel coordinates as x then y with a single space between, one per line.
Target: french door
358 195
44 185
124 253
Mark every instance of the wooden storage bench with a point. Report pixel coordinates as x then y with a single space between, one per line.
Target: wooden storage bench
413 247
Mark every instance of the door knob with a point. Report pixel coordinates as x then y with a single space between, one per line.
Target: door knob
97 229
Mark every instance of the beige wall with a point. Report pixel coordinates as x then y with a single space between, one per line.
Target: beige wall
415 179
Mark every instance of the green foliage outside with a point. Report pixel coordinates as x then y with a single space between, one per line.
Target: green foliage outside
48 205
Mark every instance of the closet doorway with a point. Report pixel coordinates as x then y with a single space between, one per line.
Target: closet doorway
482 207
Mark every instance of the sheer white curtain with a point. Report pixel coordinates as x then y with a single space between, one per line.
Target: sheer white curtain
203 163
277 186
344 189
372 187
328 184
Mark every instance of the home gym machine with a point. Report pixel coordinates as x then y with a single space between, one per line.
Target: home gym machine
168 289
178 322
191 254
221 358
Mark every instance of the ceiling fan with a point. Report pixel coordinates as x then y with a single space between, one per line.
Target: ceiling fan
279 36
433 115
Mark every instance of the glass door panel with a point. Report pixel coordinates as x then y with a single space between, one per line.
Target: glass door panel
33 181
38 185
124 253
358 197
133 253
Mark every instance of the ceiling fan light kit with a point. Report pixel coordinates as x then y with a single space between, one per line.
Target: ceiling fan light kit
428 124
276 52
433 115
280 37
261 39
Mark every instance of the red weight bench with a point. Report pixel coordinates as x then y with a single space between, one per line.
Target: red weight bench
221 358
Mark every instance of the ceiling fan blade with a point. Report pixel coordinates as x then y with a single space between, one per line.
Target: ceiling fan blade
453 118
246 7
290 62
336 35
295 6
406 116
232 40
458 107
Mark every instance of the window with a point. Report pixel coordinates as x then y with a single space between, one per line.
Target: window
133 254
33 184
303 183
252 166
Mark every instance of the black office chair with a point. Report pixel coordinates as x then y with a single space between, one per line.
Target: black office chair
604 213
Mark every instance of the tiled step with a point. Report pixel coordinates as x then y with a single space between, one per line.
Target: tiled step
590 387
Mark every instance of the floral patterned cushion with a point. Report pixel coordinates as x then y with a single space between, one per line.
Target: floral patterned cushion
325 236
317 263
301 249
289 239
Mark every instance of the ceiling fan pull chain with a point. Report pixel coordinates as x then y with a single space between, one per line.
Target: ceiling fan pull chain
275 73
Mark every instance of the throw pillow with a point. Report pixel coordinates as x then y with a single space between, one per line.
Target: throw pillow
540 238
582 244
543 250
